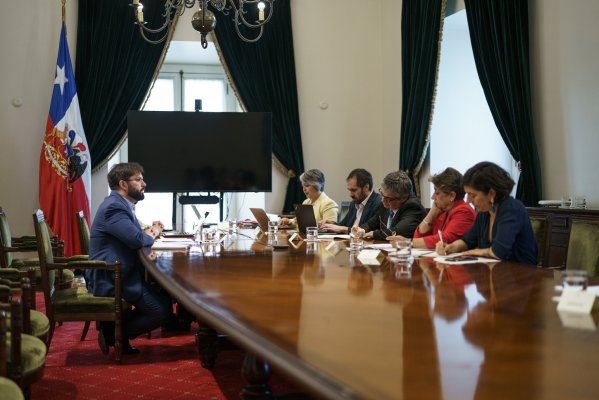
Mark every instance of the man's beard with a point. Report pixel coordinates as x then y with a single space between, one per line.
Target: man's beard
135 194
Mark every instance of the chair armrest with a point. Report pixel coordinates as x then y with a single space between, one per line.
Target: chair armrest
18 248
65 260
81 264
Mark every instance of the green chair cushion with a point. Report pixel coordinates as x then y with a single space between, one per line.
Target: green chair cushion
10 390
33 353
25 262
12 274
67 275
583 248
77 300
40 325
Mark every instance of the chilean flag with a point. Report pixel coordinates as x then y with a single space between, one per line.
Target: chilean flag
65 163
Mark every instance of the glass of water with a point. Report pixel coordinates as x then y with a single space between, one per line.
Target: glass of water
312 234
403 249
575 280
356 244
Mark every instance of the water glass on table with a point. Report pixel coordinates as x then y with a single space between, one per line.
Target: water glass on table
356 243
403 249
273 231
575 280
312 234
232 227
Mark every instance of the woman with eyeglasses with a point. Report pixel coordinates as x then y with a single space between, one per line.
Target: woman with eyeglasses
400 211
449 218
502 229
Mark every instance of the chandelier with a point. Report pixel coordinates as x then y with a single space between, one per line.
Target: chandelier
203 20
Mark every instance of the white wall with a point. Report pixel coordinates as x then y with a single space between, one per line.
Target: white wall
565 63
30 31
347 54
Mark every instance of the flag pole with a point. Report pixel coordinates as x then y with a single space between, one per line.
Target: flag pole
64 12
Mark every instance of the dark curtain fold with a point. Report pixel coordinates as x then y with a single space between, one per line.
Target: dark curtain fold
114 69
264 75
499 36
420 33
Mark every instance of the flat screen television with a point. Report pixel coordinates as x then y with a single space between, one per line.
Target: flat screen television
202 151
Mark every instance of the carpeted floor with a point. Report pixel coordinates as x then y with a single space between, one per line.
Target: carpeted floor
167 368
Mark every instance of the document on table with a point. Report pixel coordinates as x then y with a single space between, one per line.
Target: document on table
332 236
454 259
172 244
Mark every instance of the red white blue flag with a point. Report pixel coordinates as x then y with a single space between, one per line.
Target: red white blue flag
65 163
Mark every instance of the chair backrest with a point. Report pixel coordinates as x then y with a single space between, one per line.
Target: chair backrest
83 232
5 241
45 255
539 228
583 247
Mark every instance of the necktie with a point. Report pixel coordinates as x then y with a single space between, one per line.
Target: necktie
390 219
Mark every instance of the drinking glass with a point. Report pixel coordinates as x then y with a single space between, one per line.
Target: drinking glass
311 234
575 280
579 202
355 244
232 226
566 201
209 235
403 249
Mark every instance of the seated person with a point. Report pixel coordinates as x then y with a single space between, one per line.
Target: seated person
116 235
400 213
325 209
449 213
502 228
365 202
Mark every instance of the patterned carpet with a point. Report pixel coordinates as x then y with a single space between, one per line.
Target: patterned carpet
167 368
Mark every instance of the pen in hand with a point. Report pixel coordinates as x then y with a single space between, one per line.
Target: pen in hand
441 237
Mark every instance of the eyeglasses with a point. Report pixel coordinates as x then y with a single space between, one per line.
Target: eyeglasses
138 179
387 198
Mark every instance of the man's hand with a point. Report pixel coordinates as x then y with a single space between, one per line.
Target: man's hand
152 231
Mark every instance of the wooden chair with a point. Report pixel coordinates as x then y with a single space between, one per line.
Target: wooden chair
24 244
76 304
9 389
539 228
35 323
583 247
26 354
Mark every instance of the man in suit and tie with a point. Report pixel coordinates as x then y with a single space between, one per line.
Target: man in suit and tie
116 235
401 212
366 202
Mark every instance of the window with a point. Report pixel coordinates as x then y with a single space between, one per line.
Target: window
463 132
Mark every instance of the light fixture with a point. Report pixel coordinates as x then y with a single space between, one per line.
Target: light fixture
203 20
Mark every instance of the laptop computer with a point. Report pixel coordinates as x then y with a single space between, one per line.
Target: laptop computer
305 218
261 218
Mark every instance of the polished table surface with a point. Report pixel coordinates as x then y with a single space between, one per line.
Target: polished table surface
342 329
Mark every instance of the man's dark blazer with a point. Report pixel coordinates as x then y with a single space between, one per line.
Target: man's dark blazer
116 236
370 208
405 220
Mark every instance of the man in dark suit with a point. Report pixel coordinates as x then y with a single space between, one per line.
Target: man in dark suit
365 205
401 211
116 235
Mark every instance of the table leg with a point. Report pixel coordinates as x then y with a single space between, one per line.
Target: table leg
256 373
207 344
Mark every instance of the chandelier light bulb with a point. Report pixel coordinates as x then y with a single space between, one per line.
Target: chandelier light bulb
261 7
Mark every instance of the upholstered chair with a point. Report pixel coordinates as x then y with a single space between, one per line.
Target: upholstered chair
539 228
9 389
35 323
26 354
25 244
583 247
76 304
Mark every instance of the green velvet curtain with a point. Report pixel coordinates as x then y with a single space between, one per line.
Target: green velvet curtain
421 28
264 76
499 36
114 69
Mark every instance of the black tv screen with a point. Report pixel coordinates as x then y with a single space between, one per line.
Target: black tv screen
202 151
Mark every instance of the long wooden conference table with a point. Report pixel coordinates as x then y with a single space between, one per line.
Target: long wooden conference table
344 330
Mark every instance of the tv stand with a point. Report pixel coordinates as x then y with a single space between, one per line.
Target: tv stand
202 199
